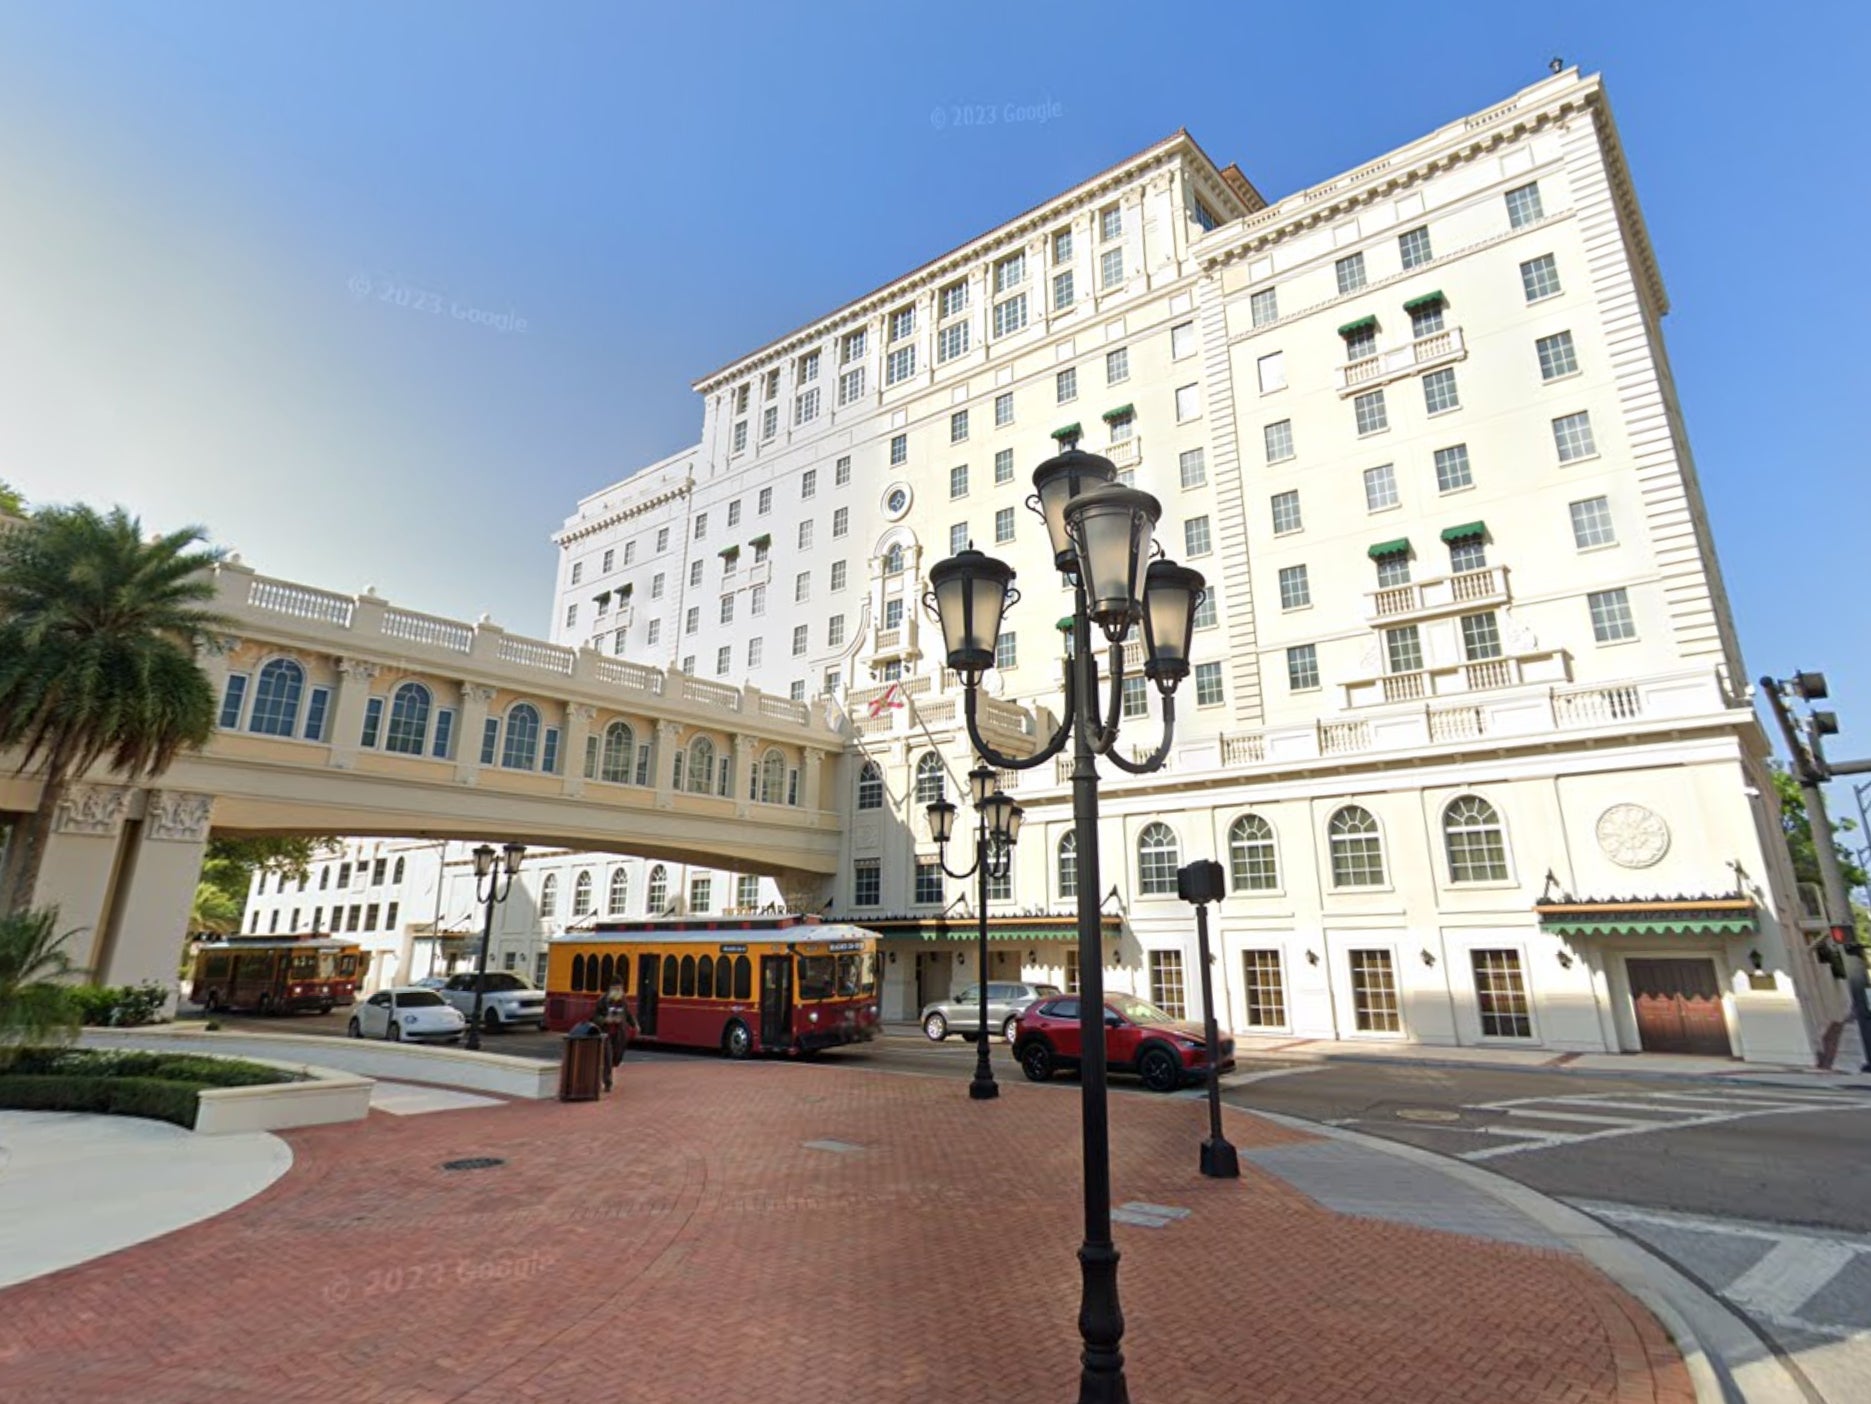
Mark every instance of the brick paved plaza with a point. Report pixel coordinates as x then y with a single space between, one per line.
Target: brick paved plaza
681 1241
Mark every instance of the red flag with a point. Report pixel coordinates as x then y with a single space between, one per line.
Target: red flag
890 698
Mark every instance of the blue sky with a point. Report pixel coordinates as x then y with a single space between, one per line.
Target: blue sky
188 191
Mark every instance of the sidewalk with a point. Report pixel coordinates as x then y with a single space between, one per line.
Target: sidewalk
810 1234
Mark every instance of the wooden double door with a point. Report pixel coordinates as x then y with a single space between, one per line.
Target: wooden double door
1679 1007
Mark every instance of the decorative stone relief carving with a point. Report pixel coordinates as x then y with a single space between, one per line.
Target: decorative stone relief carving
581 711
96 810
1632 836
1520 639
177 816
359 668
475 692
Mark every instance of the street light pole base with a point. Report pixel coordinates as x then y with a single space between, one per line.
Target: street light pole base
983 1090
1219 1161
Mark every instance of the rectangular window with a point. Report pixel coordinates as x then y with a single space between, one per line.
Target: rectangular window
799 640
1295 587
1591 523
1265 307
809 483
851 347
928 884
755 649
1136 696
1302 668
1065 385
757 600
549 752
441 746
902 323
1360 343
841 474
1371 415
630 552
1003 409
1061 245
805 534
1426 321
740 436
695 574
770 385
1452 469
1539 278
655 632
958 480
1501 995
1166 983
1111 268
1611 616
1380 488
867 882
1205 616
951 341
764 504
727 609
317 708
957 538
958 427
795 691
578 571
1003 466
1193 468
1572 437
1000 889
1279 440
851 385
899 365
1557 355
806 407
1208 692
1188 403
1523 206
1413 244
1403 650
1393 570
746 892
769 422
740 398
1006 652
953 299
1286 516
802 587
1010 315
835 631
1062 290
1003 525
1272 371
1374 993
1110 223
838 575
662 540
692 620
1481 637
1350 270
1122 427
231 700
841 522
610 558
724 659
899 450
1265 988
1195 539
571 616
1010 272
1181 341
1467 555
373 721
893 613
1439 392
1117 366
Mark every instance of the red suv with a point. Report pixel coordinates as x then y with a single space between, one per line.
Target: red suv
1138 1037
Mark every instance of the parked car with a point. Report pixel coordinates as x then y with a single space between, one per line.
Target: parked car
1164 1051
507 999
962 1012
430 982
408 1013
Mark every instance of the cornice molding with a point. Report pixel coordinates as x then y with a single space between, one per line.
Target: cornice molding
623 514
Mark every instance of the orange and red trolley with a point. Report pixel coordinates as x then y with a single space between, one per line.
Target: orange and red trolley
780 984
276 974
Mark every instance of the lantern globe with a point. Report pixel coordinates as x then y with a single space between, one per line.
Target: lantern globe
941 820
1111 527
982 782
515 852
970 591
1055 483
484 860
998 809
1172 595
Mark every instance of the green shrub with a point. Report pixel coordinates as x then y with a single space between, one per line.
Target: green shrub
112 1065
174 1102
122 1006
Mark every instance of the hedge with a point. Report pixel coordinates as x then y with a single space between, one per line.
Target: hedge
128 1063
120 1096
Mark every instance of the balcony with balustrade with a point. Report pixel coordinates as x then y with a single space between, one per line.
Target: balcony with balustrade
1425 353
1463 593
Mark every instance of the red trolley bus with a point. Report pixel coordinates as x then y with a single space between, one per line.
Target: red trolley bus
276 974
785 984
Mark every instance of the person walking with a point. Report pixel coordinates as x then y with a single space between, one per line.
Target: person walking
614 1017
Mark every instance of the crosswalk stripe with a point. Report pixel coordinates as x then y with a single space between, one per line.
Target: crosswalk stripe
1617 1105
1793 1272
1589 1118
1549 1137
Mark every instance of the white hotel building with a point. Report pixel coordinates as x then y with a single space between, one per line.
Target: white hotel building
1469 727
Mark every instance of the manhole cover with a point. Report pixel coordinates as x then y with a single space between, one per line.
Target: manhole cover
1427 1114
474 1162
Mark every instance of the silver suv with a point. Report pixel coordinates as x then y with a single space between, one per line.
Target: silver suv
506 999
961 1013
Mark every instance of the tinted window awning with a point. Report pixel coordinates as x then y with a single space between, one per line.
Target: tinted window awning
1399 547
1362 324
1121 412
1467 531
1430 299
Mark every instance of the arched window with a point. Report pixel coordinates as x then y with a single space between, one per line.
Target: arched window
1158 857
772 778
705 977
522 748
620 891
1068 865
578 972
871 786
1357 848
669 974
549 895
620 745
930 785
659 890
581 895
893 561
688 976
1471 829
397 877
1252 863
743 978
608 972
702 766
409 720
276 699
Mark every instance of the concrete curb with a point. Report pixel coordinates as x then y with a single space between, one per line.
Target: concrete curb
1728 1362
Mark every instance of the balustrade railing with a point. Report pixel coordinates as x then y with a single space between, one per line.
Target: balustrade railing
1595 706
428 629
1337 738
1456 723
530 653
301 602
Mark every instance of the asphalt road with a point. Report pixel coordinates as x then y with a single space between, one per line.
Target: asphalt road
1752 1190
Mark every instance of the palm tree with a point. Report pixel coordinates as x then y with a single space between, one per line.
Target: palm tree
100 631
37 1005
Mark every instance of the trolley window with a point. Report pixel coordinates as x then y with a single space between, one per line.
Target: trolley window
818 976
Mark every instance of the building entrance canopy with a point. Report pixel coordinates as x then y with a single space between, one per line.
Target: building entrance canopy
1730 915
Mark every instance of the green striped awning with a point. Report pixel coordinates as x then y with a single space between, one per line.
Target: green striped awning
1070 431
1467 531
1426 300
1032 928
764 539
1690 926
1399 547
1360 325
729 551
1121 412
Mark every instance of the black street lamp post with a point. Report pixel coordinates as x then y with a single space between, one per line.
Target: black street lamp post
489 890
997 827
1101 540
1200 882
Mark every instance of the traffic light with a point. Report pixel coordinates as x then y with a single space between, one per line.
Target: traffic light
1811 686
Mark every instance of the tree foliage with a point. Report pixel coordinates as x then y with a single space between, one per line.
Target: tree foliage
38 1004
228 868
11 503
1795 823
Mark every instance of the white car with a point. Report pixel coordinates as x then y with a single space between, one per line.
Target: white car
408 1013
507 1000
